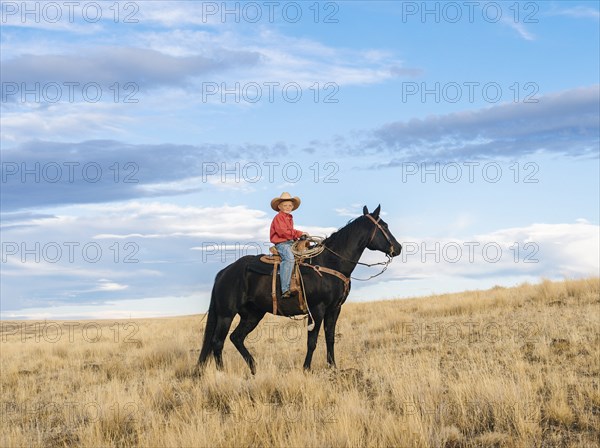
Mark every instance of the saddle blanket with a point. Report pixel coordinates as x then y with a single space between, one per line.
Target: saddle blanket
269 265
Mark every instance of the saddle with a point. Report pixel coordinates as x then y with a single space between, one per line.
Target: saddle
291 307
274 258
296 289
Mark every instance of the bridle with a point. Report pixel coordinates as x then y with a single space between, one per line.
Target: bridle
388 255
385 234
342 277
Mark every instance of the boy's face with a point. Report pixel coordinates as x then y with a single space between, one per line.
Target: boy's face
286 206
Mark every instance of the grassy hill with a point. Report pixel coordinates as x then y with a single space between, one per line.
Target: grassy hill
506 367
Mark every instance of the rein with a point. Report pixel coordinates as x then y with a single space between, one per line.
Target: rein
320 247
385 264
381 263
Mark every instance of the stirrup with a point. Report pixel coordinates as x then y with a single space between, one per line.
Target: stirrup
291 294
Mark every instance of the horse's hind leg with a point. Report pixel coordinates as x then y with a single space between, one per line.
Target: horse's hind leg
223 324
248 322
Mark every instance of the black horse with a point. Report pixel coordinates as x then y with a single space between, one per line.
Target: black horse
239 290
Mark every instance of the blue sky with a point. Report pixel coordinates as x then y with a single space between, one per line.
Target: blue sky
476 127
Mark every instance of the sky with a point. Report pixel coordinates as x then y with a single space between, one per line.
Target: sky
142 142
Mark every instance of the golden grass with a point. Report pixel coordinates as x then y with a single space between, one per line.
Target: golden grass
507 367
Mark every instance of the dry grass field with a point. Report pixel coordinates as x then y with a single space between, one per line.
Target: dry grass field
506 367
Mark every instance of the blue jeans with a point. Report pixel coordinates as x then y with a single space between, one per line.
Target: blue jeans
287 263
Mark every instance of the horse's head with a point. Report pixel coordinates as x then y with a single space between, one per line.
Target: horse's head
381 238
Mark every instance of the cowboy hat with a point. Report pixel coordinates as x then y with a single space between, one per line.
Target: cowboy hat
285 196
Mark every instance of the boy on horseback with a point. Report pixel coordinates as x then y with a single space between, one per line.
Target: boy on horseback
283 235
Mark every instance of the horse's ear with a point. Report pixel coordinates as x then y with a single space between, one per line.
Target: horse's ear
375 213
365 210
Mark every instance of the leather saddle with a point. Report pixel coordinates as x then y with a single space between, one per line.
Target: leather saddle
269 265
274 258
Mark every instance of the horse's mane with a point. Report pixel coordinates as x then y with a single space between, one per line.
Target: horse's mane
342 235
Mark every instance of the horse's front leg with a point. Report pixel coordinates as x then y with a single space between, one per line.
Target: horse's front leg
317 315
331 317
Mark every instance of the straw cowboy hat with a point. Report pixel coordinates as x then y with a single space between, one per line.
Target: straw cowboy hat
285 196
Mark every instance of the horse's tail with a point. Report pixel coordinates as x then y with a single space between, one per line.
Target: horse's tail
209 331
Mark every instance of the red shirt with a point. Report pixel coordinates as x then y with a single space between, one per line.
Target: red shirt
282 228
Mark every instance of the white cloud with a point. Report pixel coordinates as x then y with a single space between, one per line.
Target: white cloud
538 250
578 12
554 251
55 16
175 13
283 58
519 28
136 249
107 285
351 211
177 243
345 212
123 309
171 249
65 121
561 122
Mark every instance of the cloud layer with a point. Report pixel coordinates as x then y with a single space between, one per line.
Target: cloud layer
562 123
119 252
44 174
107 65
